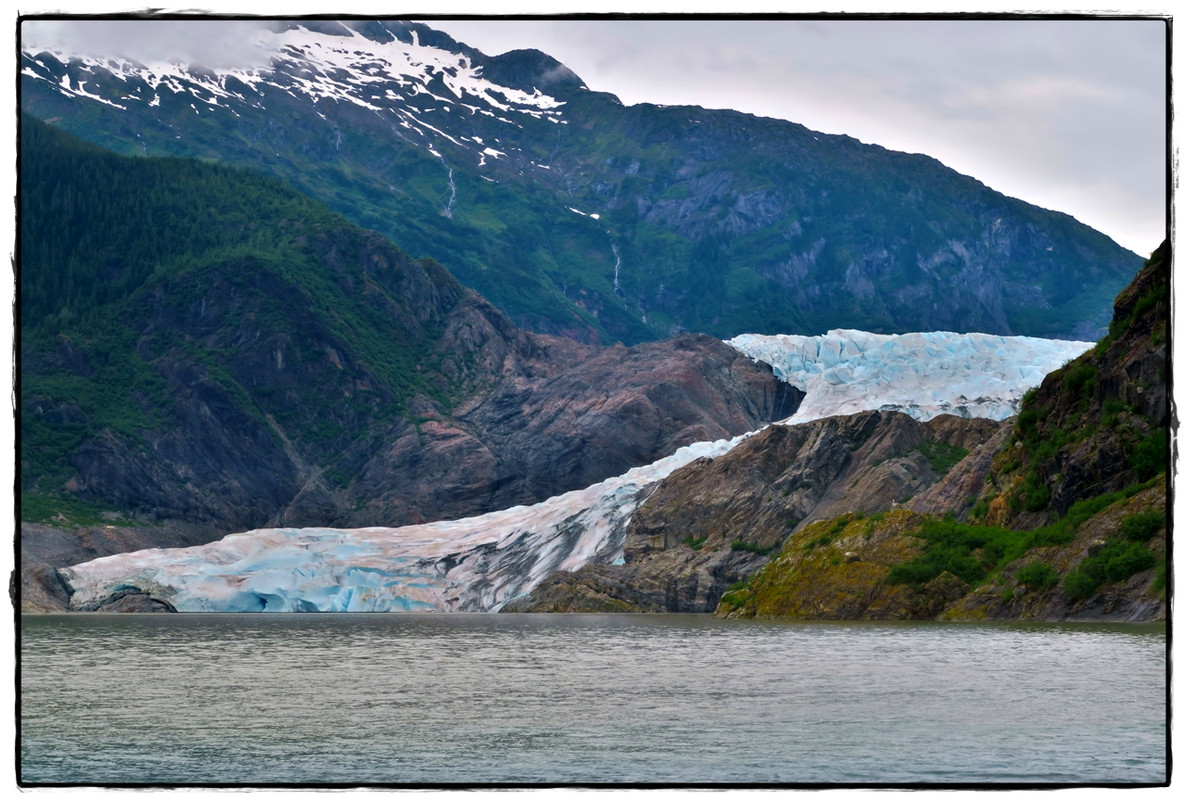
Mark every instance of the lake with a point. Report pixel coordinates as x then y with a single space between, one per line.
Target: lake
487 699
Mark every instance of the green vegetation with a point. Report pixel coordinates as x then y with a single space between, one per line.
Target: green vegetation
1045 432
133 267
977 553
1028 418
1142 527
1116 561
695 542
1113 409
1035 493
68 512
1037 576
735 596
830 535
1157 294
942 456
1080 380
1159 583
1150 457
739 545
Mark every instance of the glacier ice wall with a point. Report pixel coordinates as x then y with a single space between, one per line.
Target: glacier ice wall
921 374
480 563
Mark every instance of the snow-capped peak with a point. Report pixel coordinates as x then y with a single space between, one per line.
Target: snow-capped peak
411 85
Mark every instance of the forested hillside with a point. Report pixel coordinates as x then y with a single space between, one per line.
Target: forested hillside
203 344
153 284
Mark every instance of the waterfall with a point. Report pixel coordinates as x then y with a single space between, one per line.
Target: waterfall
617 263
448 210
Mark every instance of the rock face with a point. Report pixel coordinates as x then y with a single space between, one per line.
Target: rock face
1099 423
1058 513
950 495
570 425
1069 502
715 521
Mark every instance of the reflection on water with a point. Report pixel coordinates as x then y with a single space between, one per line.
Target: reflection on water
668 699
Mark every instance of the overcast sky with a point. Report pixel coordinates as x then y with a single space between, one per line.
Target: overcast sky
1069 115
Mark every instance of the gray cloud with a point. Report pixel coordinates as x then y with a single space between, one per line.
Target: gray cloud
210 42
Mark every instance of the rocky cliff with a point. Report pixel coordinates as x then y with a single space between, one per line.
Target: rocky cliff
1058 513
1100 423
1064 513
564 426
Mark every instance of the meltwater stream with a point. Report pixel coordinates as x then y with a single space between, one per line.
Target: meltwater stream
480 563
585 699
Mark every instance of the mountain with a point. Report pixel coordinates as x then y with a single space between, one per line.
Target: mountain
204 345
715 522
1061 515
500 559
579 216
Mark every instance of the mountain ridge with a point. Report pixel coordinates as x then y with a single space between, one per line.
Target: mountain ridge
580 216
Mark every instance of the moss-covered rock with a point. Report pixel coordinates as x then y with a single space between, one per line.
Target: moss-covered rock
1099 423
851 567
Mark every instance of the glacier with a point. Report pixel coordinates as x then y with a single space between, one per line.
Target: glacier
920 374
472 564
480 563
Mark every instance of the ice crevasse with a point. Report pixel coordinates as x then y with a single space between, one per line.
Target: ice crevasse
480 563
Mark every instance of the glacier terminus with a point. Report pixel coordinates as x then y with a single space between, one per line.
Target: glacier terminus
480 563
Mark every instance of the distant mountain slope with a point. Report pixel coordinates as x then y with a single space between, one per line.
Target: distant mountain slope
203 344
579 216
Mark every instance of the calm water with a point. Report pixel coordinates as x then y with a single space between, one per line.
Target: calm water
669 699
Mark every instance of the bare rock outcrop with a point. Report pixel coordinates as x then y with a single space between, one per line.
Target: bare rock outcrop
717 521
